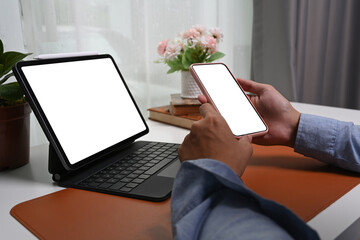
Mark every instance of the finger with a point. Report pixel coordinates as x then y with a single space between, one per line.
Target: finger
182 148
251 86
207 109
202 99
248 138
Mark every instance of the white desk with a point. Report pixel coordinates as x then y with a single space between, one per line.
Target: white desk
33 180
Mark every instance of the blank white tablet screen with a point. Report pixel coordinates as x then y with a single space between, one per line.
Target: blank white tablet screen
86 103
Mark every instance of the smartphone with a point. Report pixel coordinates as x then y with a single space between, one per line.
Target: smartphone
223 91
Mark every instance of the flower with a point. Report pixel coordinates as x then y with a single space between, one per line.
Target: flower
192 33
217 34
201 29
162 47
210 44
195 45
172 50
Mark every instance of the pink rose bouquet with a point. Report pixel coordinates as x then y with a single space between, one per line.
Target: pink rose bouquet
196 45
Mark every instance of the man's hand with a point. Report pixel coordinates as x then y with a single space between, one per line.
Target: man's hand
212 138
281 118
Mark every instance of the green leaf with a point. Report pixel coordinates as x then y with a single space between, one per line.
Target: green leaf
175 64
8 59
215 56
186 60
191 55
159 61
1 47
11 92
6 78
171 70
1 70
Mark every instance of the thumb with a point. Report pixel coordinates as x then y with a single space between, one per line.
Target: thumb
202 99
207 109
251 86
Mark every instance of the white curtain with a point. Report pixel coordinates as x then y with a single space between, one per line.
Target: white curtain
130 31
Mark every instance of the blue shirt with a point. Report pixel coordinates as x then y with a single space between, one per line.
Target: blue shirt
209 201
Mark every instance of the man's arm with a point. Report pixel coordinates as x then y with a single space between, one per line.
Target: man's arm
330 141
209 199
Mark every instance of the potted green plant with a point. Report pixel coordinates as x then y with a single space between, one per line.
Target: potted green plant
196 45
14 114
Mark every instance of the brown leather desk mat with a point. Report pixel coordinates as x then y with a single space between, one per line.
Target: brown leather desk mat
302 184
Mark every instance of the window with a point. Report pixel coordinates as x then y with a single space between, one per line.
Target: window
130 31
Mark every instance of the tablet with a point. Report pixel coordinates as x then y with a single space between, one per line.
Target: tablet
83 105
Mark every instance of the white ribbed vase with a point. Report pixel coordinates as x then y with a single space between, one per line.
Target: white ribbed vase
189 88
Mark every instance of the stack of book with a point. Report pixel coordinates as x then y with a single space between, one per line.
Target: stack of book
181 112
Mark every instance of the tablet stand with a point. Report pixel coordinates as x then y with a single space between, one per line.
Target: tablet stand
55 166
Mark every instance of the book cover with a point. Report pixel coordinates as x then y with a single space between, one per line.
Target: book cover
183 106
163 114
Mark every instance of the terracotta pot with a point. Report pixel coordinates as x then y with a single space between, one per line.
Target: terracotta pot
14 135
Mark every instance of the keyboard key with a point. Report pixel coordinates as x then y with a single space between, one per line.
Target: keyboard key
100 180
117 185
119 176
144 176
144 168
138 180
126 180
125 172
90 179
131 185
158 166
125 189
132 175
112 180
105 185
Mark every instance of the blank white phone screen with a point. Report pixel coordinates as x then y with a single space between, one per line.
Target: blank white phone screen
86 103
229 99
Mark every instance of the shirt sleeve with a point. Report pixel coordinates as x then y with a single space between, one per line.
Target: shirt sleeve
209 201
330 141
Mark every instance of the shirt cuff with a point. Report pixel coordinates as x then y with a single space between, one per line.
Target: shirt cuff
316 137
